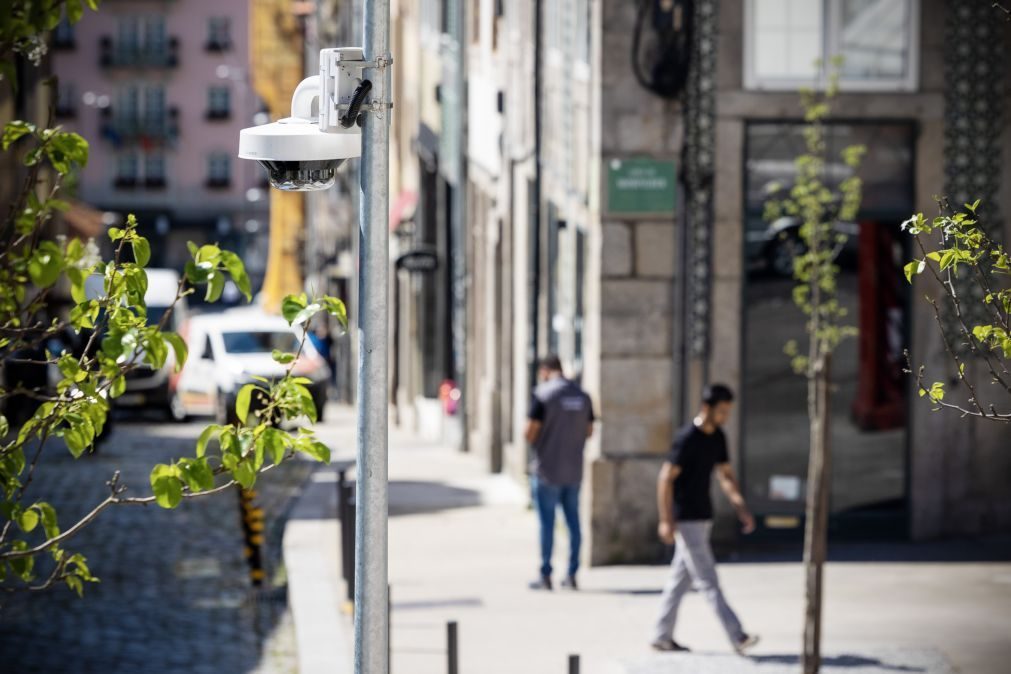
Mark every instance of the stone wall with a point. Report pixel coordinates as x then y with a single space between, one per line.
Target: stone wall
638 284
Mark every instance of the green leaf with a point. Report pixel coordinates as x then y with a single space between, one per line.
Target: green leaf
115 233
291 306
336 308
16 130
215 286
141 251
208 254
178 347
237 270
305 314
49 521
244 474
45 265
168 491
242 401
28 520
282 357
912 268
74 10
205 437
198 475
318 451
273 442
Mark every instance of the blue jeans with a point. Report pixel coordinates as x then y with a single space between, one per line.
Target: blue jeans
548 497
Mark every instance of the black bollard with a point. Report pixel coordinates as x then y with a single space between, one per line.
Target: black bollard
451 648
348 543
573 664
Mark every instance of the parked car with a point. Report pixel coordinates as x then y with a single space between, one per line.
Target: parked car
147 387
775 247
229 349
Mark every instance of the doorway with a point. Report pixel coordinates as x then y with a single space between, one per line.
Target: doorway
869 407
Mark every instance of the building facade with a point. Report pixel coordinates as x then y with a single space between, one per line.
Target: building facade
161 90
616 161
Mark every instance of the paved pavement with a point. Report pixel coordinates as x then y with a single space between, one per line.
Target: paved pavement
174 595
462 548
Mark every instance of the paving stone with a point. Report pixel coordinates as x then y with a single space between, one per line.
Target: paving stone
174 595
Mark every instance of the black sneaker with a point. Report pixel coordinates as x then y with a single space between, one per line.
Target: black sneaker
570 583
543 584
668 646
746 643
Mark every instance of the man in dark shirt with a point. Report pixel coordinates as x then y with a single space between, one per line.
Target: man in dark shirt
559 422
686 514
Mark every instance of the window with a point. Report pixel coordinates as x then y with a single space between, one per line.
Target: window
259 342
127 169
129 36
154 170
127 109
219 166
63 35
219 34
155 38
791 43
66 100
218 102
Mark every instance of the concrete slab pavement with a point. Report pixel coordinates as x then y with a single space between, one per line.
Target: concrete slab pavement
463 547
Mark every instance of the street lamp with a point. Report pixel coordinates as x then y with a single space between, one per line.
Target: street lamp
301 153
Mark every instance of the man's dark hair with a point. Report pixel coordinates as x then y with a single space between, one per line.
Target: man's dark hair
551 362
717 393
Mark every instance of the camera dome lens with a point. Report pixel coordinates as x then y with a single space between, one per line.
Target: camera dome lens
301 176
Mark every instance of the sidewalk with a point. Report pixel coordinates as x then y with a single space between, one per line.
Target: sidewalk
463 547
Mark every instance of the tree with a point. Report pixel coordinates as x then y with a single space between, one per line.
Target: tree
818 205
973 315
113 337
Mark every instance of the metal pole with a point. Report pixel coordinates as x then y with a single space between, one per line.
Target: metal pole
371 606
452 649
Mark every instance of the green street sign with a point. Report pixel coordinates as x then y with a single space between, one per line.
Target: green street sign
641 186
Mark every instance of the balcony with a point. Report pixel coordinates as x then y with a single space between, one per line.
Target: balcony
138 129
112 54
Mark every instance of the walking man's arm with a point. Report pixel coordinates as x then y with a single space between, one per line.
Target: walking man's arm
665 501
532 431
728 483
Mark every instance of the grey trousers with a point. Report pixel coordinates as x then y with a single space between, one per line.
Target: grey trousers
693 564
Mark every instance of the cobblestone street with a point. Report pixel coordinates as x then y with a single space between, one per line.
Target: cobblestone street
174 594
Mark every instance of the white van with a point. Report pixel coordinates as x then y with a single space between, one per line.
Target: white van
145 386
228 349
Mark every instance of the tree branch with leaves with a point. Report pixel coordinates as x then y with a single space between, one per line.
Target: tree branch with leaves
962 262
89 347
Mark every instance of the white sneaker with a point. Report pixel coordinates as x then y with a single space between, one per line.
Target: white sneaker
746 643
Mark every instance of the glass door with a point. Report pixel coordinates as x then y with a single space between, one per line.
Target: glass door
869 439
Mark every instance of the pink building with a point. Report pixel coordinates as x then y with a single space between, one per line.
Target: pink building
160 90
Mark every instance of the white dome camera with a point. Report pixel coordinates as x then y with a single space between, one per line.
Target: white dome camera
302 152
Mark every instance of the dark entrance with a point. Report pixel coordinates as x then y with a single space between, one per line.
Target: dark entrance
869 412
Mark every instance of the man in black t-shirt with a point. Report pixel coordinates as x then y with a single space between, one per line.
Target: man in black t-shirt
686 517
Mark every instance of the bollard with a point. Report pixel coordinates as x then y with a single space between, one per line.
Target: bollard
451 648
342 515
252 533
348 543
573 664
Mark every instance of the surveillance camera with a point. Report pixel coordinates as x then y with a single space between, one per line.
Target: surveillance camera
302 152
297 155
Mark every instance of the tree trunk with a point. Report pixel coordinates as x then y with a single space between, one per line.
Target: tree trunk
816 526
